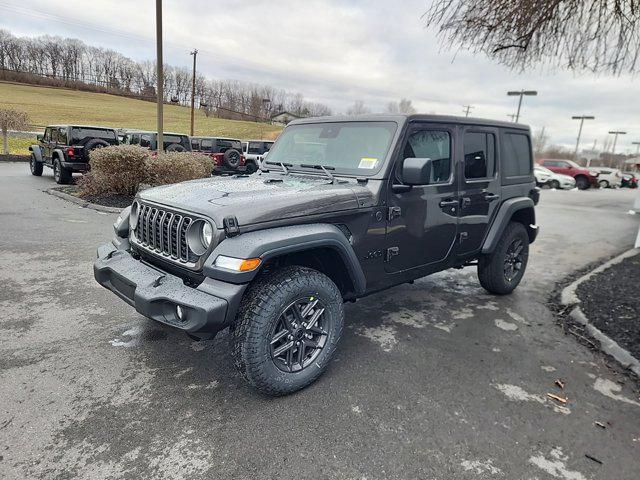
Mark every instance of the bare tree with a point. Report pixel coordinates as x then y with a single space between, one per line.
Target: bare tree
594 35
404 106
11 119
540 140
358 108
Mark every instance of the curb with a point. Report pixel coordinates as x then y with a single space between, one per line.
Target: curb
569 298
82 203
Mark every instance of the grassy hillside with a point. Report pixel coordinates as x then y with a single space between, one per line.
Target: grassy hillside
58 106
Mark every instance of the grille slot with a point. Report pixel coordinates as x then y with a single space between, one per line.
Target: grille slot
164 232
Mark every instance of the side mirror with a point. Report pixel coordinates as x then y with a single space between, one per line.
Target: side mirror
40 137
416 171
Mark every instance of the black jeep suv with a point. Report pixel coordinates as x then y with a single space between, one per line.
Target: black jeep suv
225 152
66 148
343 208
172 142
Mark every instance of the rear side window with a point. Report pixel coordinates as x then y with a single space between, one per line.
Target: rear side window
195 143
207 145
255 147
61 136
479 154
516 158
224 145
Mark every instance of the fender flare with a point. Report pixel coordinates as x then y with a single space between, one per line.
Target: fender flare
59 153
275 242
37 152
502 219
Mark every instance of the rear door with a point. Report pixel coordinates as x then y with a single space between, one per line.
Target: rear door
422 220
479 186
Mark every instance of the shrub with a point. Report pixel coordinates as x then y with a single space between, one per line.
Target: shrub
118 169
175 167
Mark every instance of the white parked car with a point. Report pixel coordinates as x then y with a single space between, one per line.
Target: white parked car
254 152
609 177
544 176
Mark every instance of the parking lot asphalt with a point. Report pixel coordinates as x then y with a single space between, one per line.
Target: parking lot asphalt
435 380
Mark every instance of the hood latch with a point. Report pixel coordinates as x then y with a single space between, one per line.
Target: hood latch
231 226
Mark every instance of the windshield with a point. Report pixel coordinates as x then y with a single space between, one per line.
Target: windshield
349 147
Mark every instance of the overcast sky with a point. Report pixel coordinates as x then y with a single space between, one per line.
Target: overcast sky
339 51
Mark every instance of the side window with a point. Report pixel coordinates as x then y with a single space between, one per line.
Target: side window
433 144
479 155
47 135
62 136
207 145
516 160
195 143
145 141
134 139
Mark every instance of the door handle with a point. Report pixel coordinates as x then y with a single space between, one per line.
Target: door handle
490 197
448 203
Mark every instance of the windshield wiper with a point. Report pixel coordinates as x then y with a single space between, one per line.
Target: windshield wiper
283 165
324 168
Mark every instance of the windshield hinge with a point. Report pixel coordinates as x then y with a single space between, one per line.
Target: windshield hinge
231 226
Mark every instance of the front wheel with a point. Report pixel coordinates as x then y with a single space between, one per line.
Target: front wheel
287 329
603 184
35 166
555 184
501 271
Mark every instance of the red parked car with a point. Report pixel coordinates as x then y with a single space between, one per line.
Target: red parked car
584 177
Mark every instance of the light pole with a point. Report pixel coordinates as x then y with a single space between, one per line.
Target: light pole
159 75
467 109
615 134
637 144
193 90
582 118
521 94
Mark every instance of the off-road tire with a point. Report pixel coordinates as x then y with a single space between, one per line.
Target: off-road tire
603 184
251 167
582 183
61 175
231 158
258 316
93 144
35 166
491 267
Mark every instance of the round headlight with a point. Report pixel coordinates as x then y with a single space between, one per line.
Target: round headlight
133 216
206 234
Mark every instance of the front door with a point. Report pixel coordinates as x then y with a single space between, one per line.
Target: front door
479 186
422 220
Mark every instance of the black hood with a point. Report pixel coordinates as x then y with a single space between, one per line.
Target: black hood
261 197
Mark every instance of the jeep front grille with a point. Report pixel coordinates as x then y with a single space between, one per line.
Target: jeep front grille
163 232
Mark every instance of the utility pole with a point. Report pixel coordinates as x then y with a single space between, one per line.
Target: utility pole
512 116
615 134
193 90
159 76
637 144
582 118
467 109
521 94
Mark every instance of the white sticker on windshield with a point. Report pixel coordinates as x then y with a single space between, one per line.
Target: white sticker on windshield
367 162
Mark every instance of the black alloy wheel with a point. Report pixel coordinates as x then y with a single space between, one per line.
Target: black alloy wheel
299 335
514 259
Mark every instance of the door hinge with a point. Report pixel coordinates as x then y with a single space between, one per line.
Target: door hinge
390 253
463 236
393 212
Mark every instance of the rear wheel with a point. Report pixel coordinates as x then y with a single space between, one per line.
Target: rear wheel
554 184
603 184
35 166
61 175
501 271
251 168
582 183
287 329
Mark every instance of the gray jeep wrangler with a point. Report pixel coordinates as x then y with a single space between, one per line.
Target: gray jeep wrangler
344 207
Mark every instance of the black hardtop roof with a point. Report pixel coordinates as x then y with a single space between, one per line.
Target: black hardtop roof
403 118
208 137
96 127
133 130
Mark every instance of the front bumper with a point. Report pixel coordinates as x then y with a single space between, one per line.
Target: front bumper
155 293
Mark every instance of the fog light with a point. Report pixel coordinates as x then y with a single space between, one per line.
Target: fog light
180 313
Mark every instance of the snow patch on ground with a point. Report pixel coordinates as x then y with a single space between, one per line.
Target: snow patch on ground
611 389
517 317
479 467
356 409
548 368
506 326
384 335
134 338
489 306
556 465
462 314
519 394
